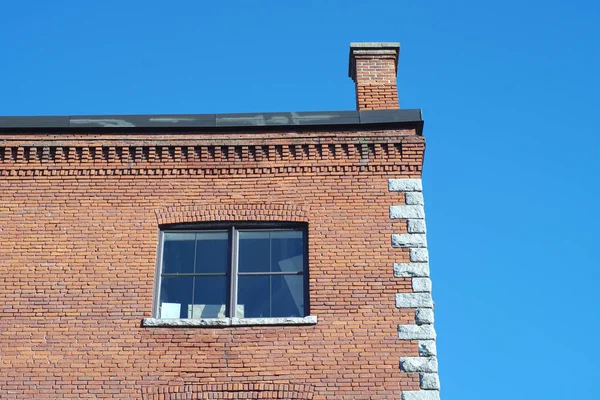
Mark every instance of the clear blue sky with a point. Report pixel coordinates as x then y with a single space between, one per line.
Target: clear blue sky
509 91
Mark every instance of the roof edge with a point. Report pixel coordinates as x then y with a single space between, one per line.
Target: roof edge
183 121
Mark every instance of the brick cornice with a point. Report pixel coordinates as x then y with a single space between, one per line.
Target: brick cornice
391 153
230 212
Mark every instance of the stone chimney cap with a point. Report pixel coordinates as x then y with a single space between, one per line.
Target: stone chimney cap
374 45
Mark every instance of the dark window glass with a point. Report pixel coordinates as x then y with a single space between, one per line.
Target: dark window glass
286 251
270 251
175 296
254 250
254 296
265 296
287 296
210 297
211 252
178 253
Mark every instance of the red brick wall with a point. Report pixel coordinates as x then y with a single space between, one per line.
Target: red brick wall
79 221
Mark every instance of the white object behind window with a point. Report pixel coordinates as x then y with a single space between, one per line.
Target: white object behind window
197 311
170 310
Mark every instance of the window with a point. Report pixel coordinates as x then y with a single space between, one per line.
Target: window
243 271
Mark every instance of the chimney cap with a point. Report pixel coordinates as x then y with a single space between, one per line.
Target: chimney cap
376 47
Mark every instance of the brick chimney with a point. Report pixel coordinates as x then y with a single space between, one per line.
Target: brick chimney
373 67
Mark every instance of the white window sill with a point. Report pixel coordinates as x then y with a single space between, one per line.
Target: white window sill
224 322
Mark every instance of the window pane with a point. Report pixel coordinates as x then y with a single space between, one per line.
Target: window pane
271 296
175 296
254 250
209 293
271 251
211 252
254 296
288 296
210 297
178 253
286 251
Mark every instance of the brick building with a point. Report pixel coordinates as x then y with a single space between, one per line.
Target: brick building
230 256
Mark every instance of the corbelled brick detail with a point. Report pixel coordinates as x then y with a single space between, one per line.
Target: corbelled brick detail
373 68
216 155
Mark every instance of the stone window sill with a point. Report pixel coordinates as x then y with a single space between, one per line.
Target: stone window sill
225 322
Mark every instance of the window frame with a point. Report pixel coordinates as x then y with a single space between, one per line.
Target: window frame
232 273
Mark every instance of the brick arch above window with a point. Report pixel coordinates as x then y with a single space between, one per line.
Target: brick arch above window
230 212
229 391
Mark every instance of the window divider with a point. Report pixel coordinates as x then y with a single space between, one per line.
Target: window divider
194 278
270 273
270 276
233 269
192 274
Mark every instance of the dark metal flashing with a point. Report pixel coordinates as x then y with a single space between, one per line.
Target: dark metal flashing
215 121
